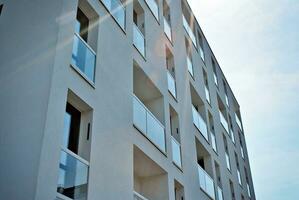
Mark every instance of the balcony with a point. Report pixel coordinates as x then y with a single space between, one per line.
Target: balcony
138 40
83 58
238 122
138 196
73 176
189 31
148 124
190 66
171 84
206 182
200 123
167 29
207 94
150 181
152 4
117 10
220 193
213 140
176 152
223 121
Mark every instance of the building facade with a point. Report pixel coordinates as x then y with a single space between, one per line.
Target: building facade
115 100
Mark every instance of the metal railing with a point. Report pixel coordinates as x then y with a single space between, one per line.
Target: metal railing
117 10
83 57
176 152
148 124
200 123
206 182
171 84
167 29
138 40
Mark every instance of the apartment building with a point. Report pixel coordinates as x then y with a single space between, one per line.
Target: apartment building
115 100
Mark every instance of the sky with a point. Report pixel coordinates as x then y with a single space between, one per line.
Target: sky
256 43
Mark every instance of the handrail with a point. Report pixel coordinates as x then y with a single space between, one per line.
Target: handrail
69 152
148 111
139 195
85 43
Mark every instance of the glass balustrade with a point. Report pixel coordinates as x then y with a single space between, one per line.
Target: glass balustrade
201 52
189 30
220 193
200 123
83 57
152 4
171 84
190 66
167 29
138 40
238 122
206 182
147 123
117 10
215 79
239 177
242 152
138 196
248 190
226 100
176 152
73 176
227 161
207 94
223 121
213 139
232 136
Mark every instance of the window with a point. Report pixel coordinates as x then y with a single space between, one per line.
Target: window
214 72
138 28
75 150
84 55
201 49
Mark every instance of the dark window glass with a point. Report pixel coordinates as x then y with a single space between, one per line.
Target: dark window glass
71 128
1 6
82 23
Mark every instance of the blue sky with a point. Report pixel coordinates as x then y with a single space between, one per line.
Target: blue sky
257 45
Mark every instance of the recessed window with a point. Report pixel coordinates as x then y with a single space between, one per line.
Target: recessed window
1 6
